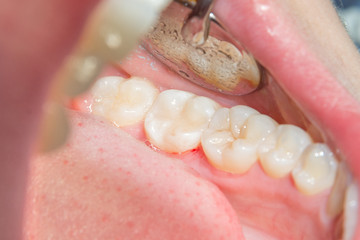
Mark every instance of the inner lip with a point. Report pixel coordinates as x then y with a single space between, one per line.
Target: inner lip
296 96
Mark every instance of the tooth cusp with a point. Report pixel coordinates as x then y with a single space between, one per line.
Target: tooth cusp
316 170
177 119
123 102
281 150
233 136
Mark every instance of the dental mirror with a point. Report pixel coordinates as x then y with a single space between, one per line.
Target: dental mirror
212 59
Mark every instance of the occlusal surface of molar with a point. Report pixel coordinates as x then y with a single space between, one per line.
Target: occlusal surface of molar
233 136
177 119
123 101
281 150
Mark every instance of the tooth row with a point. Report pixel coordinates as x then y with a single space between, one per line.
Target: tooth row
233 139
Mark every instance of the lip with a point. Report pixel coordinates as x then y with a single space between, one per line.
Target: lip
346 108
302 74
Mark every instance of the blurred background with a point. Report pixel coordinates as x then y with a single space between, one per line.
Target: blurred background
349 11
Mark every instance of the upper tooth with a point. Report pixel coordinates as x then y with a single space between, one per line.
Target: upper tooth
232 138
281 150
316 170
124 102
350 212
177 119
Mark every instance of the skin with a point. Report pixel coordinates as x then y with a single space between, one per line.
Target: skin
31 55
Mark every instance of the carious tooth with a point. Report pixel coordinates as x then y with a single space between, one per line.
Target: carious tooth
350 212
111 33
316 170
177 119
123 102
281 150
55 127
233 136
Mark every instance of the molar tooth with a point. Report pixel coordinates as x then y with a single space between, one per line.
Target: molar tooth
233 135
177 119
350 212
280 151
316 170
124 102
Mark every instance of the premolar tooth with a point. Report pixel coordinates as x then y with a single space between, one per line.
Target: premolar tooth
316 170
124 102
280 151
177 119
233 136
351 205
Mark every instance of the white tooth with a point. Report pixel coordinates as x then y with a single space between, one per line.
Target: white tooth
336 199
177 119
238 115
124 102
350 212
233 135
280 151
316 170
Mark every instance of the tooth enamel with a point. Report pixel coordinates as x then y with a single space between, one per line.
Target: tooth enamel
350 212
177 119
316 170
233 136
111 33
336 199
123 102
280 151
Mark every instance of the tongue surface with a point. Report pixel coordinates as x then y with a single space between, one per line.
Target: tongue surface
106 185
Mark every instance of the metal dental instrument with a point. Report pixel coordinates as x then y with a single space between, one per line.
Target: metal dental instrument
191 41
196 27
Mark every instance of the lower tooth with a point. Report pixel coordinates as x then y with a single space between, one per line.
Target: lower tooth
177 119
232 138
123 102
350 212
316 170
280 151
336 199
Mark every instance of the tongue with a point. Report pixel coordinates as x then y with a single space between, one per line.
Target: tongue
110 186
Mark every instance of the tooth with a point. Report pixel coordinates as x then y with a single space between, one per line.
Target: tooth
111 33
280 151
316 170
123 102
55 127
336 199
233 136
177 119
350 212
